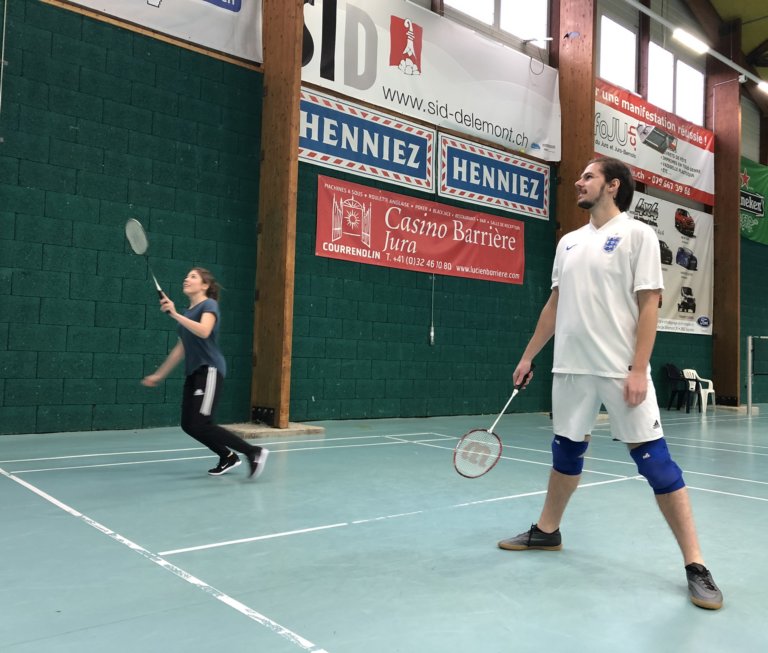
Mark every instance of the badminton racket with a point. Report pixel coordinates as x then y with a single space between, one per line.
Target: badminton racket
477 451
137 238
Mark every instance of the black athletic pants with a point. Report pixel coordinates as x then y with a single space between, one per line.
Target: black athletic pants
201 394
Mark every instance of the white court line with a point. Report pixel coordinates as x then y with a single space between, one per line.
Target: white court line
148 451
370 520
252 539
424 443
261 619
729 494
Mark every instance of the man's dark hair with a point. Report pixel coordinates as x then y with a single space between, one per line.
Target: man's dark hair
615 169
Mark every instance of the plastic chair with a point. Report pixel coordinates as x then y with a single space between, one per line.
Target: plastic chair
692 391
705 388
678 385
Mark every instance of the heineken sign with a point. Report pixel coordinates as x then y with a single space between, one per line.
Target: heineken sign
753 180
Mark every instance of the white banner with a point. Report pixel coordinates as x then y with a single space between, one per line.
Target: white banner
663 150
398 56
231 27
686 240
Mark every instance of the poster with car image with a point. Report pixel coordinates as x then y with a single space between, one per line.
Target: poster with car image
687 260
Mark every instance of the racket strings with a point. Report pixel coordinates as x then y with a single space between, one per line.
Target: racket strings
136 236
477 452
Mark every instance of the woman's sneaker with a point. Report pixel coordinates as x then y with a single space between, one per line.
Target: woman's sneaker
257 460
533 539
225 464
702 588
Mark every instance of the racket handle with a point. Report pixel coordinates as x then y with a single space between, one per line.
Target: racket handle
525 378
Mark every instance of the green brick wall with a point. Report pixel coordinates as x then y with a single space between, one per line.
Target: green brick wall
101 124
361 332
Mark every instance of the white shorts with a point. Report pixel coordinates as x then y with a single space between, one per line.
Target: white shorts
576 401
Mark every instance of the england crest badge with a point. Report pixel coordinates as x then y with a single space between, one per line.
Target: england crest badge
611 243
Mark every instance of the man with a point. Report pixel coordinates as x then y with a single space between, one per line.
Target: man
603 311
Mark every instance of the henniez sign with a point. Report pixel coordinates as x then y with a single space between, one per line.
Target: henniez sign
344 136
348 137
368 225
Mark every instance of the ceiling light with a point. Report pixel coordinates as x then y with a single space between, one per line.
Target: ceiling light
698 46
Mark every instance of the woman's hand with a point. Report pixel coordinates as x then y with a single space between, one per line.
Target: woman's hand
151 380
167 306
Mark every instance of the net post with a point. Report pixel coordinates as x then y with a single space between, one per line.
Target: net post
750 353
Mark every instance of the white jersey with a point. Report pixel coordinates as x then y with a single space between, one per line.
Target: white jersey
597 273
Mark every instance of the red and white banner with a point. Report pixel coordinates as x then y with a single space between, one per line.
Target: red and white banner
662 149
368 225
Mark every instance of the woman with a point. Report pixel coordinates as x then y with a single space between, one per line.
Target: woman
205 369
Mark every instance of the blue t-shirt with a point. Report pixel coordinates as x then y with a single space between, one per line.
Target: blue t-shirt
202 351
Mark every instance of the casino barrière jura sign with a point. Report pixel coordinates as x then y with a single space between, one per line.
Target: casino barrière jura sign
369 225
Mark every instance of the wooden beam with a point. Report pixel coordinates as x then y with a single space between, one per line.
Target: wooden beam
573 34
275 264
724 118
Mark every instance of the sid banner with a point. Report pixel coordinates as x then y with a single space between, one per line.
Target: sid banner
662 149
753 179
368 225
403 58
686 244
231 27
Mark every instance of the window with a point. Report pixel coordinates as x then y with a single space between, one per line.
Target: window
661 77
618 54
525 19
689 93
510 21
482 10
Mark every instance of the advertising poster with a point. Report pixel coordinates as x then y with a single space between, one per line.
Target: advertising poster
487 176
753 180
686 242
662 149
406 59
337 134
231 27
368 225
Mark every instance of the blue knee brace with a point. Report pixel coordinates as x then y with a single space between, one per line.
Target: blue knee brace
654 462
568 456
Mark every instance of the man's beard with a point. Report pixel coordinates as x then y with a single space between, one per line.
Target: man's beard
584 203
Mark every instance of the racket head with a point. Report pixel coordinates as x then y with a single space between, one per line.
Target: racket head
476 453
137 237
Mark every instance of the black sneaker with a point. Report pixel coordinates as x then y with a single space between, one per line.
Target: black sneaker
533 539
225 464
257 460
702 588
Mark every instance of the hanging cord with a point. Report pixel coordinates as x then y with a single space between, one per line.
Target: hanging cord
432 318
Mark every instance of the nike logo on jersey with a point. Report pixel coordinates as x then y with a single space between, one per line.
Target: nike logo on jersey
199 393
569 247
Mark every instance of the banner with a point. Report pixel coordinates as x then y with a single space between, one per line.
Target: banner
484 175
231 27
346 136
686 241
403 58
662 149
753 179
367 225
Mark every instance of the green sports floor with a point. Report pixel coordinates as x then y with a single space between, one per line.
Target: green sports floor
365 540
